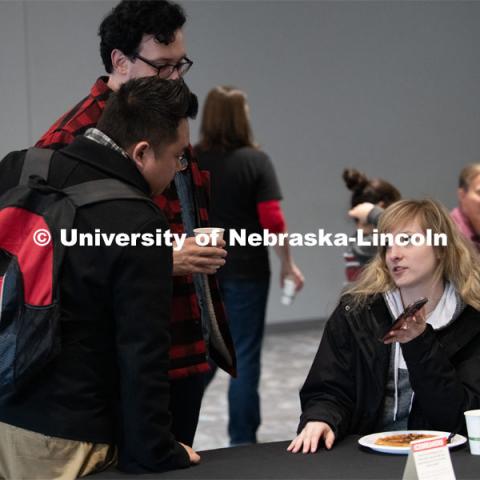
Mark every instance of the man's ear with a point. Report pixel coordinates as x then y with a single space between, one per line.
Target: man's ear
119 61
139 153
461 193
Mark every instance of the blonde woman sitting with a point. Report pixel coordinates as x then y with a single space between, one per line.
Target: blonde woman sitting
367 377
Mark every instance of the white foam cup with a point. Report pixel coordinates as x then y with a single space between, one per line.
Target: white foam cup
472 417
208 235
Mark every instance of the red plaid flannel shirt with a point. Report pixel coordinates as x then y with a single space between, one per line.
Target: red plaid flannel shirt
188 349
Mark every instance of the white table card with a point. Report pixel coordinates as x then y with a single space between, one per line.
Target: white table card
429 459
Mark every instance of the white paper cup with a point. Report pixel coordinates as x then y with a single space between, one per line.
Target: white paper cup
208 235
472 418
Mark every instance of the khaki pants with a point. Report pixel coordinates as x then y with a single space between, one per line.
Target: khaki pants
30 455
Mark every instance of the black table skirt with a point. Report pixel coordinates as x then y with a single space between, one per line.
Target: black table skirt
345 461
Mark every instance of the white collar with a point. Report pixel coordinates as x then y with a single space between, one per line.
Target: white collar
440 317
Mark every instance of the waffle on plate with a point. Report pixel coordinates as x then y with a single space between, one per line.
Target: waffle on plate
401 440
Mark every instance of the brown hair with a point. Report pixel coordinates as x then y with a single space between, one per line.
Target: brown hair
225 123
459 263
467 175
373 190
148 108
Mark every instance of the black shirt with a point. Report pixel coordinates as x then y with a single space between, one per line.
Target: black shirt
240 179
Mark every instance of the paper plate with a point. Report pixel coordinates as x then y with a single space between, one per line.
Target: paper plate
369 440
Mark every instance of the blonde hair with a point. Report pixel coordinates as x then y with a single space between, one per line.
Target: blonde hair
225 123
467 175
458 263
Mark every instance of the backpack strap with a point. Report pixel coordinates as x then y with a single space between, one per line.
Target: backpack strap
97 191
36 162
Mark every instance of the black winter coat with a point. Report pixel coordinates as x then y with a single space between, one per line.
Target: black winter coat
110 383
346 383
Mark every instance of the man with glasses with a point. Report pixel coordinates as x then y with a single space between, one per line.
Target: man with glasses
168 70
143 39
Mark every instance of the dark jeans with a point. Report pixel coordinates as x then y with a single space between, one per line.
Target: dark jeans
245 303
185 401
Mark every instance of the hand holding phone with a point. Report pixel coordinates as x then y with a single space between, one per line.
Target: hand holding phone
409 311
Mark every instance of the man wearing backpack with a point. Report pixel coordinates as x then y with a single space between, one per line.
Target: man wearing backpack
145 38
107 388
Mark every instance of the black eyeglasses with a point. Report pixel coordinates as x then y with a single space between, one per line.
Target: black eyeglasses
166 70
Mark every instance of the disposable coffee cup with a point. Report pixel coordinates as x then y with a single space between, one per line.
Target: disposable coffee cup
289 291
208 235
472 417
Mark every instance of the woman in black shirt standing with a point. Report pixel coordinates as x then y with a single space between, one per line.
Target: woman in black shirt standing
245 195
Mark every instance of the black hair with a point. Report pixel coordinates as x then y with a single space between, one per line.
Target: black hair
124 27
147 109
373 190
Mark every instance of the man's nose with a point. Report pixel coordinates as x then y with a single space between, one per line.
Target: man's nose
175 75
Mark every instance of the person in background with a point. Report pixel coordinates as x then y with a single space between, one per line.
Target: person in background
245 195
107 391
467 214
143 39
367 377
369 198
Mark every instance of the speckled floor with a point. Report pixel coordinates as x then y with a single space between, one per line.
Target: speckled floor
286 359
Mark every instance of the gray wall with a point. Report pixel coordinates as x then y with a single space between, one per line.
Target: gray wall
388 87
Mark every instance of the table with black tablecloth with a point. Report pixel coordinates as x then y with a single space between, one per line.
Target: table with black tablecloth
345 461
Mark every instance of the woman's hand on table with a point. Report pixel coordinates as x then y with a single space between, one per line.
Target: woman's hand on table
308 439
192 454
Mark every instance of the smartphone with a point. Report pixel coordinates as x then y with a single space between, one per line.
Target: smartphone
409 311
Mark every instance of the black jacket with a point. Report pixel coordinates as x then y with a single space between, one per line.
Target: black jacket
109 384
346 384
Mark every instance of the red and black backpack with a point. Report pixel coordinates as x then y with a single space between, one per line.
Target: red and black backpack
30 214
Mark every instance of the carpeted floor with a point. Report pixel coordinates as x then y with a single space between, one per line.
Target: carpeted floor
287 355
